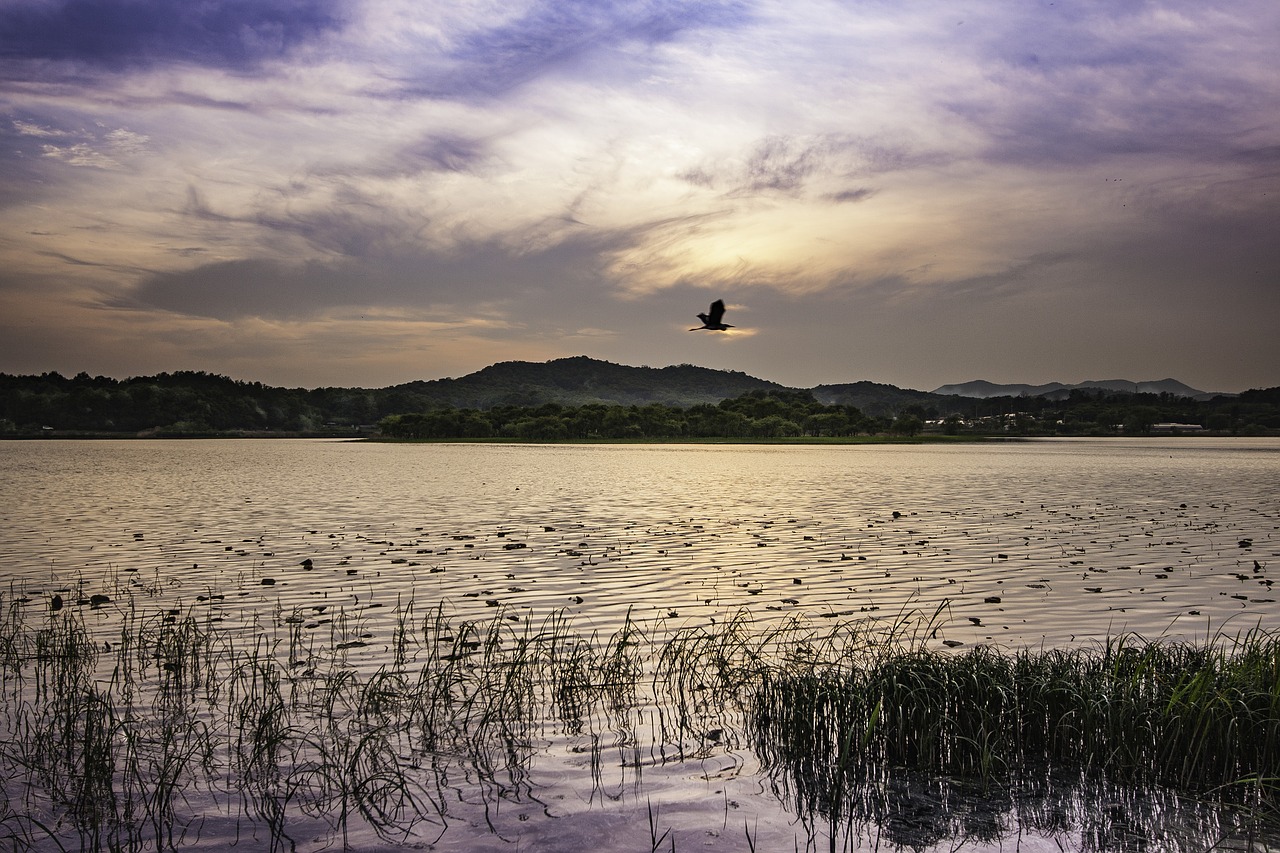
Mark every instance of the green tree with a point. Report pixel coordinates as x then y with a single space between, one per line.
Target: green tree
774 426
542 428
827 423
908 425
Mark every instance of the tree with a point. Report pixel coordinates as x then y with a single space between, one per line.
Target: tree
1140 419
774 426
542 428
908 425
828 423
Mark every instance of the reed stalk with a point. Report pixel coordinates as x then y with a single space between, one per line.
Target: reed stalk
1203 720
132 744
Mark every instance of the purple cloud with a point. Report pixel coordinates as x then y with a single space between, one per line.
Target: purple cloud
558 34
121 34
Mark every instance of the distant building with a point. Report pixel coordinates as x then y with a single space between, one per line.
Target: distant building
1168 427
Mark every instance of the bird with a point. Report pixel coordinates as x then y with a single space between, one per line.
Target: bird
714 319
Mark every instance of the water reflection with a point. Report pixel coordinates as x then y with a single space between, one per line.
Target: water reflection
1136 746
899 808
178 735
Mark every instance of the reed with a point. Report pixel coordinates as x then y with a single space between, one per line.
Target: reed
138 743
261 745
1198 719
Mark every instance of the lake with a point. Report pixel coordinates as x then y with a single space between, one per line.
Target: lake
319 549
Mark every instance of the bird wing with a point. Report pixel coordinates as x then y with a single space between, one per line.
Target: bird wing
717 312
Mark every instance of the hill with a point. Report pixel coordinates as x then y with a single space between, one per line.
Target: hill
875 399
195 402
580 381
982 389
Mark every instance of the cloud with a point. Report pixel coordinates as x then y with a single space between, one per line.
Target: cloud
121 34
849 196
873 179
558 36
27 128
41 155
462 279
101 152
1107 81
446 152
80 155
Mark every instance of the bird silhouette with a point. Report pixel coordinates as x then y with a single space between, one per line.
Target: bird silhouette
713 320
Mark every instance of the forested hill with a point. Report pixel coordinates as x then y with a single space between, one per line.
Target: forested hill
581 380
877 399
507 394
194 401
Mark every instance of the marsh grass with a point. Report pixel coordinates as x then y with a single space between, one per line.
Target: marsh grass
131 744
857 738
143 741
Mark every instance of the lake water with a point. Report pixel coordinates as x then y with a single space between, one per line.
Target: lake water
1033 543
1073 535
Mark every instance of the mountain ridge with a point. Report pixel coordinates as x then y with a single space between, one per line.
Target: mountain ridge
582 380
982 389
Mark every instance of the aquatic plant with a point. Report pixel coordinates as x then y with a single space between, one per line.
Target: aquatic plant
140 742
1199 720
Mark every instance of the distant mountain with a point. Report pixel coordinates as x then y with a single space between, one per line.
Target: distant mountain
983 389
580 381
873 398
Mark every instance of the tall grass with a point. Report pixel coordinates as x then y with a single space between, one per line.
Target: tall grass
135 743
1200 720
159 737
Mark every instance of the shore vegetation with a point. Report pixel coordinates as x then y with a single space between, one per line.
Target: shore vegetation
172 731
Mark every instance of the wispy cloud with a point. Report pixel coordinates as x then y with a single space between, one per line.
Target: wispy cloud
566 37
104 151
26 128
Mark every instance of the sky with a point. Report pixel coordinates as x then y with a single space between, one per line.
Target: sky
367 192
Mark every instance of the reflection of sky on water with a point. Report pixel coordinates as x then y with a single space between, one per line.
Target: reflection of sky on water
1075 539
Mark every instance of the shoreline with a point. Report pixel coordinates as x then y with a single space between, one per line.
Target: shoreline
931 438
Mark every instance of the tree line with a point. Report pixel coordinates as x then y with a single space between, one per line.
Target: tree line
794 414
197 403
184 402
756 414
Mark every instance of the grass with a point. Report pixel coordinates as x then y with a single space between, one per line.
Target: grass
1199 720
159 737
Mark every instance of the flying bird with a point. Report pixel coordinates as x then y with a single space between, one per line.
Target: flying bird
714 319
